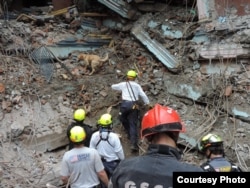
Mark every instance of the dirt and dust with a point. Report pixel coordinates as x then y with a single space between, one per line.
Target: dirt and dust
27 95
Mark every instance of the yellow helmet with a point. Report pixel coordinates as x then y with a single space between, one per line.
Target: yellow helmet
105 120
79 115
132 74
77 134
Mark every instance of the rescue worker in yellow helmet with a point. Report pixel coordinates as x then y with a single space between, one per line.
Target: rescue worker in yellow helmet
131 92
82 166
212 146
108 144
79 116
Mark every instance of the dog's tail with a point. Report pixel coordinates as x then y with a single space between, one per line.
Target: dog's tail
105 58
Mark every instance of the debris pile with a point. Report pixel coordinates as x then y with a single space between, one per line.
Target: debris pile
196 65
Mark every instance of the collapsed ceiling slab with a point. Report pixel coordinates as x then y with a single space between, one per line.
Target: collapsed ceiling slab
156 48
227 50
120 7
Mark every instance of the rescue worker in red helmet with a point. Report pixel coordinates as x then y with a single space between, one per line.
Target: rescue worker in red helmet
129 112
79 116
211 145
161 127
82 166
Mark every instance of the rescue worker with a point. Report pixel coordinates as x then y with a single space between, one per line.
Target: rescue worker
129 111
79 117
161 127
82 166
212 146
108 145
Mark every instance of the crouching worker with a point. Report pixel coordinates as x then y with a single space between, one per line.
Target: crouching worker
108 145
82 166
211 145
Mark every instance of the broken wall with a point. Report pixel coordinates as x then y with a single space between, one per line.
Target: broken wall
232 8
213 9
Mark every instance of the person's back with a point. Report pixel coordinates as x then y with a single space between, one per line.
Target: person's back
82 166
161 127
80 162
129 108
154 168
211 145
108 145
219 164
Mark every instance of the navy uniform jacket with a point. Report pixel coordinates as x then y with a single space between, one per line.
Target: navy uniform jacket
154 168
220 164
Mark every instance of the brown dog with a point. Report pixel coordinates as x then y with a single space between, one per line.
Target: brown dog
92 61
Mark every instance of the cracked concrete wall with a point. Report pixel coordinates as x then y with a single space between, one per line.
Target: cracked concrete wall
213 9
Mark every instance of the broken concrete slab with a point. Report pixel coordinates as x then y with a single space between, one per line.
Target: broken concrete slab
64 51
120 7
188 141
225 50
156 48
37 116
48 141
63 48
241 111
185 90
224 68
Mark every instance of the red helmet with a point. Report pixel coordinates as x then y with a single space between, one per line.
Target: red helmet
161 119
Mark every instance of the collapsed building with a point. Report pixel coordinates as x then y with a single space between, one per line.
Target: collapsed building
198 54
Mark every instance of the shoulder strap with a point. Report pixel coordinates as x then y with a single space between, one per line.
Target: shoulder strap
105 139
128 83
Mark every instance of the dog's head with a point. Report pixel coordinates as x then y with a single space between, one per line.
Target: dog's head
81 57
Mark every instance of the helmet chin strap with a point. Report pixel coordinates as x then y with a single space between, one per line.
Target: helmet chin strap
209 155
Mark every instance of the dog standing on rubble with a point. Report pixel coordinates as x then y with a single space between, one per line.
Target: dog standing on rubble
92 61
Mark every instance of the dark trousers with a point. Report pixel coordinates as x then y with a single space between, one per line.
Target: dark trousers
109 168
129 119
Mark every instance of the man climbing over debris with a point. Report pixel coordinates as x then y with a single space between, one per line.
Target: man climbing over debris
108 145
129 109
161 127
82 166
79 117
211 145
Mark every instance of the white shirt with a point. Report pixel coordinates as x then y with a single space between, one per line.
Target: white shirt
110 150
127 93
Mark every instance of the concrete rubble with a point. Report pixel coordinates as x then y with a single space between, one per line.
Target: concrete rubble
188 59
